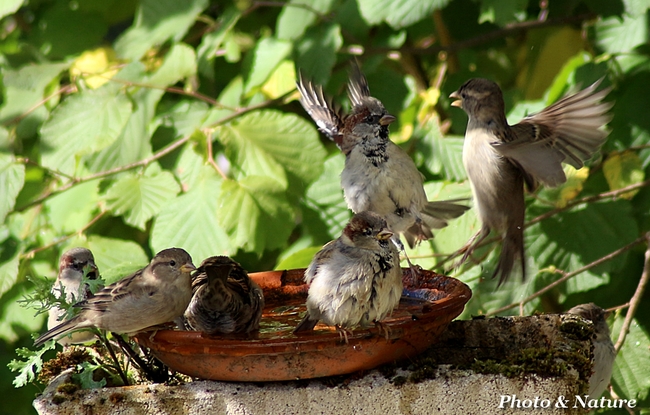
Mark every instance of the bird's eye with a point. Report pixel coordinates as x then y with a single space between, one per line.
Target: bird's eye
172 262
463 95
372 119
367 231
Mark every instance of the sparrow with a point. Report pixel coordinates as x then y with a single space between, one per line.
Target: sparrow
604 352
355 279
378 175
224 300
156 294
72 265
500 158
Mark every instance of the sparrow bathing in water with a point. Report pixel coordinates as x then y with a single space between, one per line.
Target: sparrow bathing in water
72 265
355 279
156 294
604 351
500 158
378 176
225 300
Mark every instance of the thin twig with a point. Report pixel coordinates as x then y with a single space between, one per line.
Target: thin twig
487 37
587 199
30 254
142 163
51 172
63 90
636 298
569 275
211 161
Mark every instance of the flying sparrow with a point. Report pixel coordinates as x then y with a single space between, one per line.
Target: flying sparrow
378 176
156 294
355 279
604 352
500 158
225 300
72 265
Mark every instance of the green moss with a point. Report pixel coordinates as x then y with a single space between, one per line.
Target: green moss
577 328
68 388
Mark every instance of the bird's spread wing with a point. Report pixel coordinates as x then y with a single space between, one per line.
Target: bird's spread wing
568 131
320 109
358 85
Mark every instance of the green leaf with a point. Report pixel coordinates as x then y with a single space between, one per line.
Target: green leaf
631 373
17 321
8 7
9 273
12 179
273 144
255 213
616 35
293 21
116 258
212 41
31 366
179 63
623 169
317 51
398 13
572 239
502 12
140 197
267 55
191 220
325 196
85 377
82 124
442 154
299 259
155 22
24 87
71 210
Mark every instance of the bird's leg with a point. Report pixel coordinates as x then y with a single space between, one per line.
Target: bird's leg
343 333
383 328
118 367
135 358
413 270
469 247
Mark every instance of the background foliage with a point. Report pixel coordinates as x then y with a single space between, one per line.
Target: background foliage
129 127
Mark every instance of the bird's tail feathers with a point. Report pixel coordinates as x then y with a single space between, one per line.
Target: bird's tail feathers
512 249
307 324
58 331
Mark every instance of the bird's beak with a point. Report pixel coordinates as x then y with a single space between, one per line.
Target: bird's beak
387 119
384 234
188 267
459 101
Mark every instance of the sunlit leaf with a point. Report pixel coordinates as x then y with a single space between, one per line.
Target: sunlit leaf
116 258
8 273
398 14
269 53
631 374
280 146
326 196
299 259
191 220
155 22
96 67
12 178
71 210
317 51
281 81
622 170
621 35
140 197
294 20
255 213
8 7
82 124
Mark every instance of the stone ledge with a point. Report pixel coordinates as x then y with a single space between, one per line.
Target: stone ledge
446 389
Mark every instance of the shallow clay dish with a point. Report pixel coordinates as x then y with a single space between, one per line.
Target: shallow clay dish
275 353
